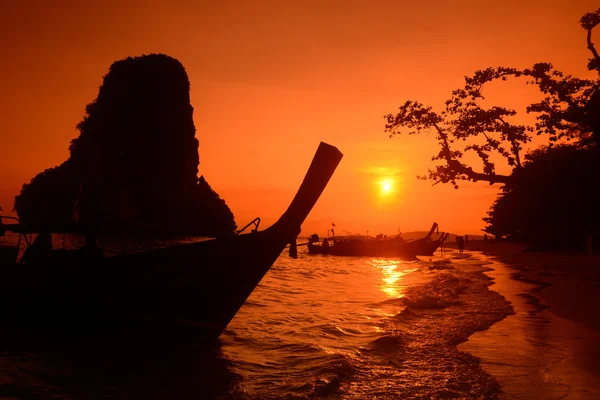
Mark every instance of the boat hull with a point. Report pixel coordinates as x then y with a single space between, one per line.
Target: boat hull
379 248
197 287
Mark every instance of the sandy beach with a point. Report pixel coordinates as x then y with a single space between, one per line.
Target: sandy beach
549 348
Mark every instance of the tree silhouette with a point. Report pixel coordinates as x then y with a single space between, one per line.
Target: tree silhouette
569 111
552 201
135 160
550 197
47 201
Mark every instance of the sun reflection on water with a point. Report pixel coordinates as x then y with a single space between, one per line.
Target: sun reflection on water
392 273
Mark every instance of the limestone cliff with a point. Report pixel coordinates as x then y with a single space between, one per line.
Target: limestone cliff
135 160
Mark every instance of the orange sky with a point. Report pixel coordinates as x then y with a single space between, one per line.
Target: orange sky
270 80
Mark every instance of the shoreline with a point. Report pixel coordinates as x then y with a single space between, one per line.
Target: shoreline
570 282
549 347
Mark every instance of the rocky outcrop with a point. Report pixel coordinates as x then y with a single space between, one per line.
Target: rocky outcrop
135 160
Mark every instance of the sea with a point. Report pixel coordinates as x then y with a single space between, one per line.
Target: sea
316 327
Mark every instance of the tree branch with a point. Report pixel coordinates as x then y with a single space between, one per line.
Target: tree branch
590 45
515 145
588 22
568 110
461 168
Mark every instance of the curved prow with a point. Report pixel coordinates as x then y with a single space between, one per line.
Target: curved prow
320 171
433 228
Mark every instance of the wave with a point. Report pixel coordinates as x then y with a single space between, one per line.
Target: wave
389 342
306 377
443 291
407 353
417 357
334 330
389 302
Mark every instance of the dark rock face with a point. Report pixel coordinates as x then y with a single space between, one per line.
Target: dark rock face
137 158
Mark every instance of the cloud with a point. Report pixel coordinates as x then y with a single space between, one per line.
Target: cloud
380 170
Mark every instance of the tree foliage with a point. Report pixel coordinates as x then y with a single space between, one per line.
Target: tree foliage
47 201
568 112
588 22
550 195
552 200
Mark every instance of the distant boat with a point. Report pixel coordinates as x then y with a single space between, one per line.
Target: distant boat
196 287
379 246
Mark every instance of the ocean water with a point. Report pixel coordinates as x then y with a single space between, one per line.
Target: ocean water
536 354
316 327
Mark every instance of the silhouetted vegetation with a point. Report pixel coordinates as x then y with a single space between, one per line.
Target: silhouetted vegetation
552 200
569 111
136 160
550 193
48 200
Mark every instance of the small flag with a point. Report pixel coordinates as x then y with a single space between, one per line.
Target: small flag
332 224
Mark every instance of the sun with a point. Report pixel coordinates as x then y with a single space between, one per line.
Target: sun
386 186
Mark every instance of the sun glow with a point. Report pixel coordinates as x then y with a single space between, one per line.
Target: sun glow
391 277
386 186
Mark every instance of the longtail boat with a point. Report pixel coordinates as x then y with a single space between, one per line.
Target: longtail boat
193 287
379 246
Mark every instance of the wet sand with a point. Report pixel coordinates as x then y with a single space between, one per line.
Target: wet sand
549 348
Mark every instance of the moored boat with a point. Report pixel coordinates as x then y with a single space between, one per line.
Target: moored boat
197 287
380 246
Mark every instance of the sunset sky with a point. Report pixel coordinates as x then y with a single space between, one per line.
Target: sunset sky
270 80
